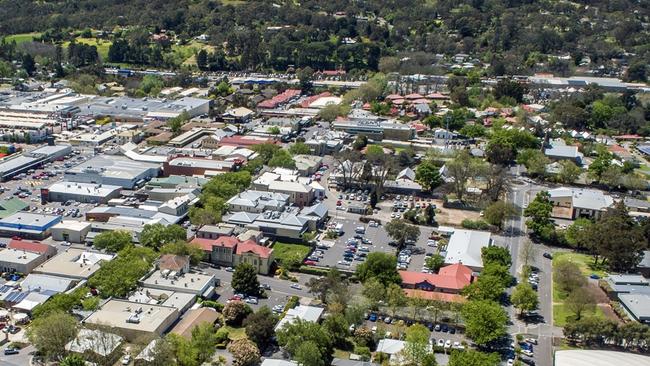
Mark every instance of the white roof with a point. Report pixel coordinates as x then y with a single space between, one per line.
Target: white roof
99 342
390 346
584 198
35 281
306 313
275 362
465 247
599 358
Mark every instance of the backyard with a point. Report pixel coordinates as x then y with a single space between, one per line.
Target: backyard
290 255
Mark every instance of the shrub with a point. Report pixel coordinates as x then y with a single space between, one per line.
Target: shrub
212 304
475 224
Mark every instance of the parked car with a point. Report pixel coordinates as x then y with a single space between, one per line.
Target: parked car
372 317
11 351
295 286
126 360
547 255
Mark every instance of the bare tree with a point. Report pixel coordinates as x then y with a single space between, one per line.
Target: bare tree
496 181
348 167
527 253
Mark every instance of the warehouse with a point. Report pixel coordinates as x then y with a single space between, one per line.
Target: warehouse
28 225
20 163
71 231
113 170
80 192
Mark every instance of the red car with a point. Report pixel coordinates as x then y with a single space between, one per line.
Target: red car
309 263
339 203
235 298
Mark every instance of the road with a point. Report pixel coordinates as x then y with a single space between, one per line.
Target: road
21 359
515 239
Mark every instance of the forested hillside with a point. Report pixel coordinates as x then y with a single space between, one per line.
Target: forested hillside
514 36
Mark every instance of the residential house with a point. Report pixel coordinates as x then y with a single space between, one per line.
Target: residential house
174 263
230 251
299 194
564 152
449 280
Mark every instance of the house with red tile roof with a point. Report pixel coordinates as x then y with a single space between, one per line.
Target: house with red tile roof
449 280
230 251
36 247
174 263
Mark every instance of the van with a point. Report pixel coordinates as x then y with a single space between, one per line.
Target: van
360 229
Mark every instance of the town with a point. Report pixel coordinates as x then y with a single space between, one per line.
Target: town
200 211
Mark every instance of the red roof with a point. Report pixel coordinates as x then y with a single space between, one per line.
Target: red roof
628 137
454 277
305 103
279 99
29 246
222 241
437 96
244 141
394 96
414 96
333 72
250 246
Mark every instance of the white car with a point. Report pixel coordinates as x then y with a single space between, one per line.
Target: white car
126 360
441 342
448 343
251 300
344 263
527 352
295 286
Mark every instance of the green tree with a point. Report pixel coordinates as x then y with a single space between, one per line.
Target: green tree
121 275
325 286
380 266
461 169
337 327
274 130
203 341
577 234
485 321
294 334
534 160
374 291
177 122
428 175
282 158
157 235
487 287
260 327
569 172
600 164
496 255
299 148
473 131
244 279
416 348
524 297
580 299
50 334
497 213
73 360
434 262
309 354
235 312
401 231
194 251
539 214
113 241
473 358
568 276
395 297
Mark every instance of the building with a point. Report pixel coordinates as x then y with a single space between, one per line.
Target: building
307 165
633 293
194 318
191 283
179 264
176 182
592 357
450 279
10 206
198 166
238 115
299 194
230 251
574 203
215 231
81 192
71 231
28 225
404 183
375 129
258 201
32 247
564 152
302 312
286 226
20 163
74 263
391 347
113 170
133 320
465 247
96 346
13 260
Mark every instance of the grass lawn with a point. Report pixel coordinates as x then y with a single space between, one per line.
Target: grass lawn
339 353
560 313
101 44
22 37
236 333
284 252
186 52
584 261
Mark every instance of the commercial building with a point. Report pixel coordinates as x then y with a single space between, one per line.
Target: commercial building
113 170
404 183
574 203
465 247
71 231
12 260
176 182
28 225
633 293
74 263
449 280
32 247
215 231
197 166
375 129
592 357
238 115
287 226
307 165
133 320
10 206
299 194
191 283
257 201
81 192
20 163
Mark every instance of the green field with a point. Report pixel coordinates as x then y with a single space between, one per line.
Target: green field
560 313
584 261
22 37
236 333
101 44
290 253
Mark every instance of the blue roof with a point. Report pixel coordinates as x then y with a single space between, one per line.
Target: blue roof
644 149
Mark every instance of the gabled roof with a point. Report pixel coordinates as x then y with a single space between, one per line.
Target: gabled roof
454 277
222 241
29 246
173 262
250 246
319 209
406 173
194 318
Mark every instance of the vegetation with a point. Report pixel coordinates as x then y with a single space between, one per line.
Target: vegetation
290 256
112 241
50 333
380 266
244 279
156 235
120 276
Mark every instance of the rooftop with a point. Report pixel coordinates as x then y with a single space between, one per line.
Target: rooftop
584 198
18 256
193 318
188 282
74 263
599 358
465 247
30 246
130 315
303 312
83 189
95 341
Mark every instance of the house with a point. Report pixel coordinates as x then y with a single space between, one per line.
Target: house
564 152
174 263
390 346
238 115
573 203
230 251
450 279
307 164
257 201
299 194
302 312
96 346
404 183
465 247
194 318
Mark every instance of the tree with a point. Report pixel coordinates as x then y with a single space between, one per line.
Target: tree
401 231
282 158
569 172
163 353
509 88
325 286
305 77
534 160
157 235
274 130
309 354
50 333
472 357
524 297
638 71
201 59
472 131
338 328
244 352
73 360
461 169
235 312
113 241
577 234
176 123
416 348
28 64
194 251
296 333
299 148
380 266
434 262
539 214
496 255
260 327
120 276
395 297
580 299
567 275
374 291
487 287
497 213
485 321
428 175
244 279
203 341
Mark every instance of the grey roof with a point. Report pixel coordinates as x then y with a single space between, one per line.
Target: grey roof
319 209
406 173
242 217
591 357
563 151
36 281
114 166
584 198
343 362
465 247
645 261
637 304
636 203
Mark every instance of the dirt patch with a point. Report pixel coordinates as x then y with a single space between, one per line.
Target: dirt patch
453 217
609 313
599 295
